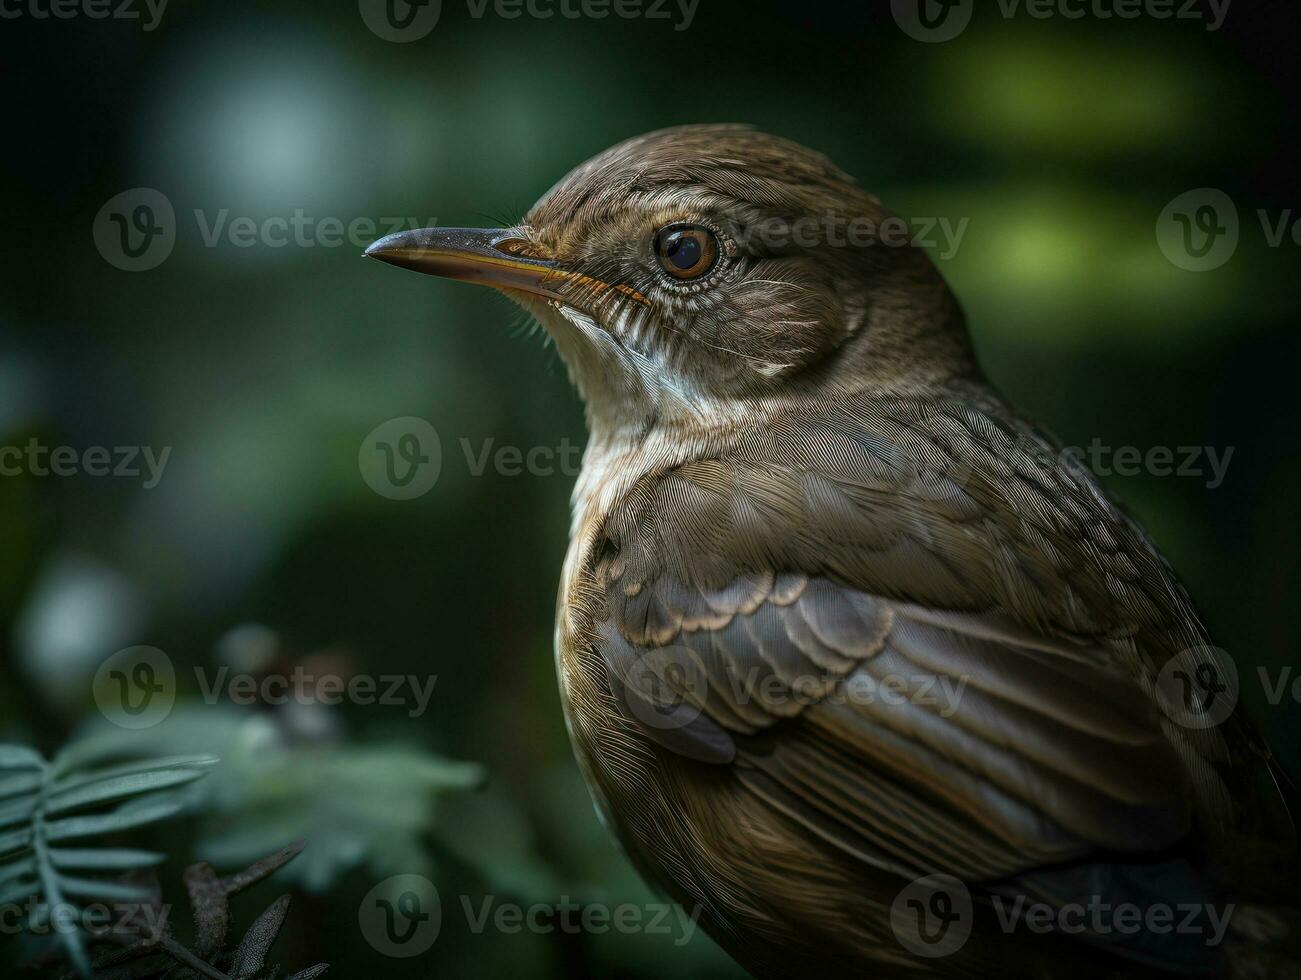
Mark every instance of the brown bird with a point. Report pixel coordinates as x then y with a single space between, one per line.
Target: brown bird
854 659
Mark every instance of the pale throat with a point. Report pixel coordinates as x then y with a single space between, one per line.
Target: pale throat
642 415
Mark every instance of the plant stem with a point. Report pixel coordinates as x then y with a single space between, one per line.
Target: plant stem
178 952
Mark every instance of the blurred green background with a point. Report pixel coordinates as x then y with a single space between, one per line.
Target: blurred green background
264 367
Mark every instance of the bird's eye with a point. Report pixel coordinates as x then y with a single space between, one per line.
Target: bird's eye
686 251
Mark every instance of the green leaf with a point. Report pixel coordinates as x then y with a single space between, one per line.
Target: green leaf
20 757
19 784
65 781
133 813
18 811
93 791
358 805
22 866
145 791
105 891
17 892
15 840
102 859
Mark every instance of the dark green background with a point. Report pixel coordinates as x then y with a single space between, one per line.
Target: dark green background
264 368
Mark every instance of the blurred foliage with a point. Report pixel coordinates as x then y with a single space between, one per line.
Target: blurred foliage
139 940
52 810
356 805
1058 140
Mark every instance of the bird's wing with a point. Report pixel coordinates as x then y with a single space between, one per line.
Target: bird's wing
917 741
917 631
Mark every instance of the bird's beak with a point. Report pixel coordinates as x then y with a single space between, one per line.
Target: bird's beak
498 257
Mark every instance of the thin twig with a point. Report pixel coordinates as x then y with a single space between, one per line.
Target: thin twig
179 952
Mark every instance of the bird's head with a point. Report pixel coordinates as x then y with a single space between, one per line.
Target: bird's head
689 273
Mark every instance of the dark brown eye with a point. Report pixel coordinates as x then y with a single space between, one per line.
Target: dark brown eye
686 251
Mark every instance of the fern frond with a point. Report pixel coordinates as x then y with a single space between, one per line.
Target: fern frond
43 804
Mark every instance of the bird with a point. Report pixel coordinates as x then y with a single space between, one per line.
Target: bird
856 662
